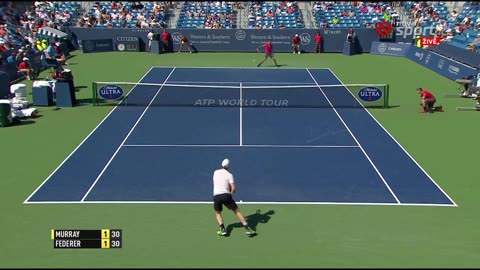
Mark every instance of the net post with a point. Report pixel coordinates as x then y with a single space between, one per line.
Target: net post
241 113
125 100
94 94
387 94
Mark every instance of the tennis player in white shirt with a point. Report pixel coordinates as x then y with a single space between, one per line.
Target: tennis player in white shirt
223 188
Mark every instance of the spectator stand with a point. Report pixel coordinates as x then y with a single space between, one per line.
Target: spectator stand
352 14
126 15
207 15
285 14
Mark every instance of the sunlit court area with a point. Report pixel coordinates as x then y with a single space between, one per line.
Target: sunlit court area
256 134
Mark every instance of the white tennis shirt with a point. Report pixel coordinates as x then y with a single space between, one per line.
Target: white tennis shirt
221 181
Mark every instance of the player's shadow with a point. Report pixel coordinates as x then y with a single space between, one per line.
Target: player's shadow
253 220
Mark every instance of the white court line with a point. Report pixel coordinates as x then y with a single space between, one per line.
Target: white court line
363 150
233 82
408 154
243 145
241 116
126 137
82 142
276 68
238 202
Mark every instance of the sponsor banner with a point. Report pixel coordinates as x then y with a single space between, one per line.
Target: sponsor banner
239 40
127 43
440 64
459 54
97 45
370 94
388 48
110 92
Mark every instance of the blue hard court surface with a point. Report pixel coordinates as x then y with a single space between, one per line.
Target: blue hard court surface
279 155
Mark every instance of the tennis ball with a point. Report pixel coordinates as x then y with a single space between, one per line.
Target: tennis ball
254 60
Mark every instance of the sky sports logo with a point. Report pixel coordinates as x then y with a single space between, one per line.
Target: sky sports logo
385 29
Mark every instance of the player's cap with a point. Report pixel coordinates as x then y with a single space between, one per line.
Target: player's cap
25 59
296 35
225 163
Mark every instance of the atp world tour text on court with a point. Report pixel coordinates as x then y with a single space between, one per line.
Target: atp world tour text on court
241 102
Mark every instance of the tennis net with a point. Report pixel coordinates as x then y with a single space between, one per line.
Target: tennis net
241 95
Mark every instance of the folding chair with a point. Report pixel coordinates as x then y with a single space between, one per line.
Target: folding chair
50 63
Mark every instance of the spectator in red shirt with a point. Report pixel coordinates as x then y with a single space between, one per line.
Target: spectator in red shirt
318 42
184 40
2 46
166 40
268 52
296 44
25 67
428 100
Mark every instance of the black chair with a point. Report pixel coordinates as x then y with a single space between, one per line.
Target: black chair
5 119
50 63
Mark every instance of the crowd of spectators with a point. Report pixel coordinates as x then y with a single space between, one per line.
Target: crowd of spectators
459 27
354 13
20 24
125 14
207 15
19 27
272 16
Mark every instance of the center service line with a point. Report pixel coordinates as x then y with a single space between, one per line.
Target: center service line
241 113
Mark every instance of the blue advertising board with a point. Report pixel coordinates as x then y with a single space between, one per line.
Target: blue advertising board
97 45
440 64
462 55
127 43
238 40
388 48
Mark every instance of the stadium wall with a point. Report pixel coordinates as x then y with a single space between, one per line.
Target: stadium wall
237 40
440 64
462 55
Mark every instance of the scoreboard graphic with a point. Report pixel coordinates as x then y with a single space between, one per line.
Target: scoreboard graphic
104 238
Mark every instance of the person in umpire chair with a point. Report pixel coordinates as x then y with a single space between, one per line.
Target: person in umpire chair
223 188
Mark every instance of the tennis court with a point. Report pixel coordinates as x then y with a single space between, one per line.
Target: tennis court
307 142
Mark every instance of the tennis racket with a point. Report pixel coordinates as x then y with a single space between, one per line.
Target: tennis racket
468 109
255 57
451 95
